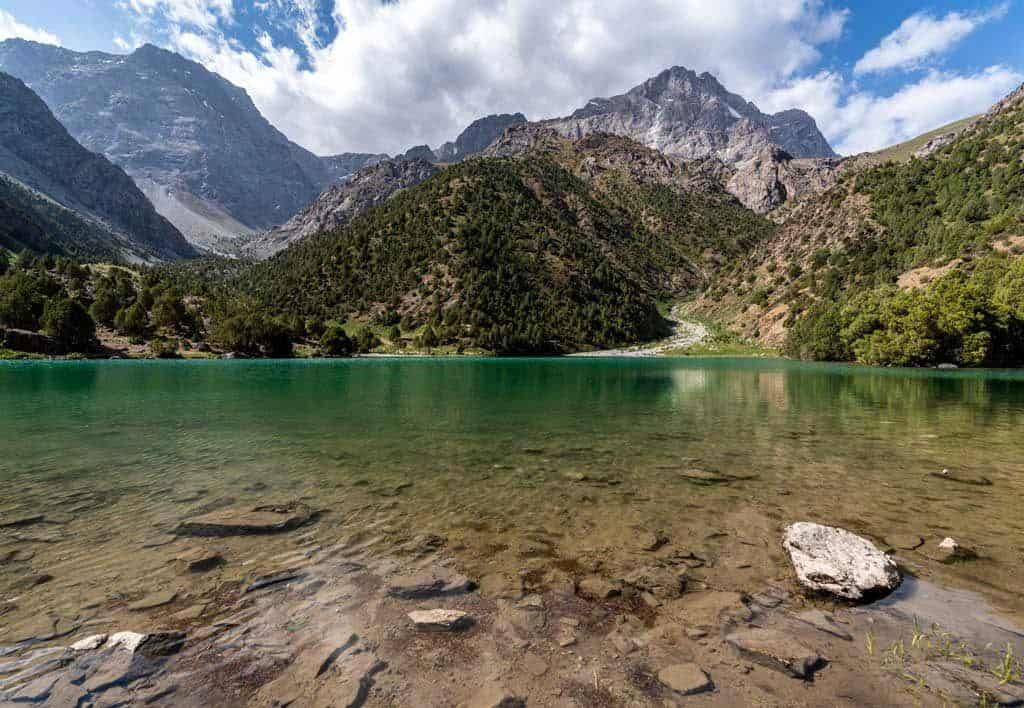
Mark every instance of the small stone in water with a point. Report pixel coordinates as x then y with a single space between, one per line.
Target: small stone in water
440 620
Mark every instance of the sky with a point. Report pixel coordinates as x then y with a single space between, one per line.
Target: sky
383 75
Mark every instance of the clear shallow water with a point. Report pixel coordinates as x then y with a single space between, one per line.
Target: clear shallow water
518 463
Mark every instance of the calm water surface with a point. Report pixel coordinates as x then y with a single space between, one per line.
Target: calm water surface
517 463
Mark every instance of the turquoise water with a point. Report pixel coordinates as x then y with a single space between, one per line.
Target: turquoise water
515 461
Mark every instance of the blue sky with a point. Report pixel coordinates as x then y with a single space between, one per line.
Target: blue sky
379 75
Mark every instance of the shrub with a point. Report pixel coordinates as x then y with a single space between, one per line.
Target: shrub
132 321
253 333
169 311
335 342
23 297
68 322
366 341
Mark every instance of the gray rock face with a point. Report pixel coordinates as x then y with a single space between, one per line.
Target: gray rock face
694 117
835 561
475 138
91 207
420 152
685 679
429 585
343 202
194 142
772 177
681 113
344 166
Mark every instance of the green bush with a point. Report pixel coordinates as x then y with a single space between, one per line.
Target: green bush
366 341
132 321
23 297
68 322
253 333
169 311
336 342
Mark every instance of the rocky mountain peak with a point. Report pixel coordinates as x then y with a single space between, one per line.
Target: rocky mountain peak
475 138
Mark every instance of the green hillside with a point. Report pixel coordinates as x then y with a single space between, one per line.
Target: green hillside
911 263
516 255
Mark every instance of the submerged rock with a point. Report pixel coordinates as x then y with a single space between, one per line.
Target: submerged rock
428 585
960 478
835 561
248 522
777 651
685 679
824 622
153 601
440 620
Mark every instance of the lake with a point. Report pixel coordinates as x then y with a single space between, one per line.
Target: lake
516 465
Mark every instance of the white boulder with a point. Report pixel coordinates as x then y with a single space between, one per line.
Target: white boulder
833 560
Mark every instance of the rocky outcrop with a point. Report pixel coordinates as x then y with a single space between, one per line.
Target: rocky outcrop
194 142
478 136
776 651
835 561
772 177
419 152
343 202
40 156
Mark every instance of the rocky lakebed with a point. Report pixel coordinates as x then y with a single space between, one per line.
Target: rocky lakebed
328 620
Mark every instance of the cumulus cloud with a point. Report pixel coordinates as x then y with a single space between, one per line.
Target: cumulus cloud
922 36
394 74
401 73
861 121
11 28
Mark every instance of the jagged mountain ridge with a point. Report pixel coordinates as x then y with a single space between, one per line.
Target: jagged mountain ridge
59 196
342 202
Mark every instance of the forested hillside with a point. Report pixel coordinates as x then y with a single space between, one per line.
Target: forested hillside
911 263
562 249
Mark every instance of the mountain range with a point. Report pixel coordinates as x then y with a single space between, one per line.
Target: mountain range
224 176
59 197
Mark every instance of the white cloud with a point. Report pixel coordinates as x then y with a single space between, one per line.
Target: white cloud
405 73
10 28
203 14
860 121
922 36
